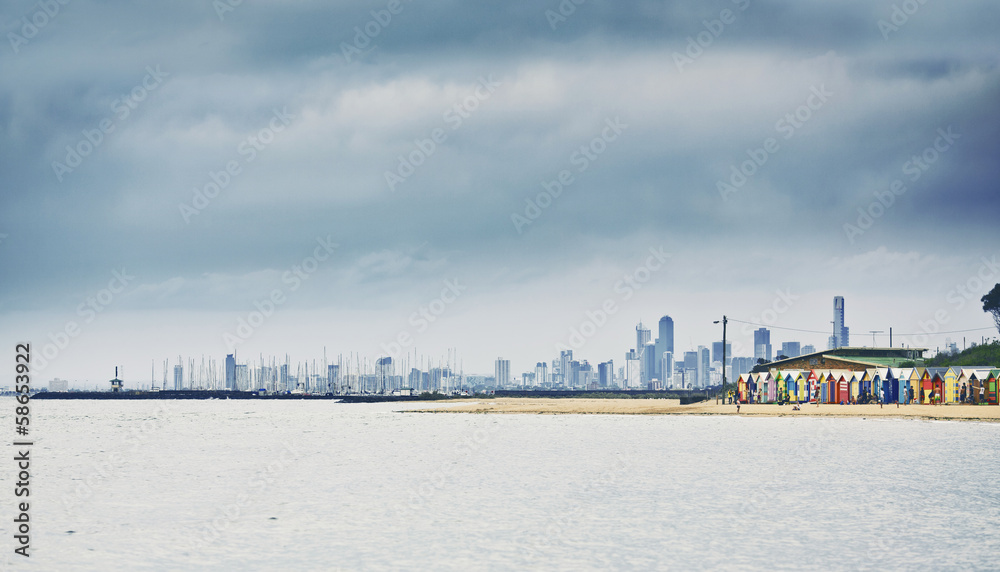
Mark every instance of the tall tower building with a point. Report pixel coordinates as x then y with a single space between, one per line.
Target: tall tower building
667 369
704 367
717 352
641 337
502 372
565 357
230 372
605 372
841 334
648 365
762 344
664 342
541 373
178 377
633 379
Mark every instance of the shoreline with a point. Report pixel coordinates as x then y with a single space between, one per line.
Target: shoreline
551 406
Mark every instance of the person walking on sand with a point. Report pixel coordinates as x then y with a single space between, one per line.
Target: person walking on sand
964 393
982 394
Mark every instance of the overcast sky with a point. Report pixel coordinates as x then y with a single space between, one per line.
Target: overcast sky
193 158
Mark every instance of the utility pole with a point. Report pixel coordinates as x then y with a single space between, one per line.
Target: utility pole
724 322
873 332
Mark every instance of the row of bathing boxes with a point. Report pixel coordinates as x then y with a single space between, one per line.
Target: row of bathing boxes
926 385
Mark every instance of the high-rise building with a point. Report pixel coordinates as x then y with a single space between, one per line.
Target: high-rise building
690 370
605 372
790 349
762 344
178 377
541 373
664 341
649 363
573 377
241 377
841 333
717 352
633 377
502 372
286 383
383 374
230 372
808 349
565 356
667 368
742 365
704 367
333 377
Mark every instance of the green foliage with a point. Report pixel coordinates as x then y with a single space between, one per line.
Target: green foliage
986 354
991 305
907 364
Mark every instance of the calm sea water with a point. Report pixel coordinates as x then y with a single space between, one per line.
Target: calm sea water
226 485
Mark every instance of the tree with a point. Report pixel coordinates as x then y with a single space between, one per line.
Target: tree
991 305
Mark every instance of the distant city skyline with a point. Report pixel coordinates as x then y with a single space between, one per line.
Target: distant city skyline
482 180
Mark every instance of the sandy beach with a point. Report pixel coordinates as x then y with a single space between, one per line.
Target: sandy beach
673 407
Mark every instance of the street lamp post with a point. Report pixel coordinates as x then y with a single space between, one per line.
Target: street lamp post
724 322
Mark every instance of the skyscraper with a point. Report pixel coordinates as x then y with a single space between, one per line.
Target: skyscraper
333 377
178 377
605 371
841 333
230 372
241 377
667 368
704 367
717 352
790 349
649 363
641 337
502 372
809 349
762 344
541 373
664 342
565 356
633 380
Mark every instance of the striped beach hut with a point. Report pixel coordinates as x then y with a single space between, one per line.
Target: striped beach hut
952 388
813 386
